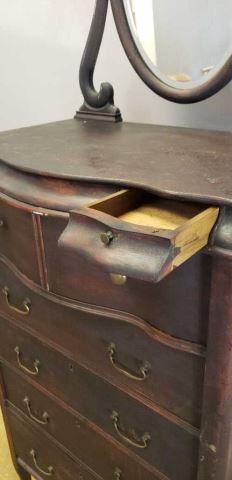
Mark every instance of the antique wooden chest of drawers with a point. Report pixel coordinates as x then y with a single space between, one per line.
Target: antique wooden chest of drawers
116 302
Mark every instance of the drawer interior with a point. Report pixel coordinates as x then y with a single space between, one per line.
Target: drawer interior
160 214
144 209
138 235
185 225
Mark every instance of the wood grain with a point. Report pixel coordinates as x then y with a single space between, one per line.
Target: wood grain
160 324
172 162
161 214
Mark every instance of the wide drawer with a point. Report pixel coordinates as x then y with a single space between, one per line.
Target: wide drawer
178 305
162 440
71 430
41 457
121 348
17 238
136 235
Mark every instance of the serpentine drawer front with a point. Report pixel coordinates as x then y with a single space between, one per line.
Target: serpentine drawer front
139 236
161 304
42 458
17 240
151 433
77 435
123 349
115 302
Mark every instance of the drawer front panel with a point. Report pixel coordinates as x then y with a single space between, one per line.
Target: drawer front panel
137 235
165 444
177 305
124 350
34 450
73 431
17 240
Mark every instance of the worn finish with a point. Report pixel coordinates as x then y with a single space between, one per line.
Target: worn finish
81 437
114 245
216 432
47 458
72 276
50 193
118 153
103 370
17 240
89 335
98 400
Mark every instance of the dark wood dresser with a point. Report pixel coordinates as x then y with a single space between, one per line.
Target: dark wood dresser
116 301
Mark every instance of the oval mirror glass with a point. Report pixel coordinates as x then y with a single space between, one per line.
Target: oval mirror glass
185 41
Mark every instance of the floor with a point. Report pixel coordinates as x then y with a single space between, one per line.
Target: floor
7 471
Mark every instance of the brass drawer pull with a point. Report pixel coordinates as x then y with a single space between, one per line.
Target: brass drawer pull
36 364
26 303
144 369
45 416
140 444
117 279
50 469
107 237
117 474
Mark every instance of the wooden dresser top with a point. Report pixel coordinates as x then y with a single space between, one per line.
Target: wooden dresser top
172 162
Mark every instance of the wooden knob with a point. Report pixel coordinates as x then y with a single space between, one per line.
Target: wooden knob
107 237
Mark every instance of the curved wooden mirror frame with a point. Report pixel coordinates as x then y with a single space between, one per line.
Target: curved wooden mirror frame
101 104
200 92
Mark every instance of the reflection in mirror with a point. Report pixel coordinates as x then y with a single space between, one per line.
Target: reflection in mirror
185 40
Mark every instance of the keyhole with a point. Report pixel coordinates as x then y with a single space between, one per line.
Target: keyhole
71 367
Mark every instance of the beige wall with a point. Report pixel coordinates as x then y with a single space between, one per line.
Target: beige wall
7 471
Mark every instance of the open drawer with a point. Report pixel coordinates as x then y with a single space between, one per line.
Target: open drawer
137 235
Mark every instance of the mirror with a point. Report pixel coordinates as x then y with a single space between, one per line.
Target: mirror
185 40
181 49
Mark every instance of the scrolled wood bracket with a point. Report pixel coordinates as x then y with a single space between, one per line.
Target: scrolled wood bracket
97 105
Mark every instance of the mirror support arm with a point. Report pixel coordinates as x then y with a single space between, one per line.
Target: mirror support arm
99 105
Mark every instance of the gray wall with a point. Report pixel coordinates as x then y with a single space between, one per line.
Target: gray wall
41 42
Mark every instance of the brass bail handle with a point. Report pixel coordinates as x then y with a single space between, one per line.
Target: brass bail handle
143 370
50 469
25 310
45 417
141 444
117 474
36 364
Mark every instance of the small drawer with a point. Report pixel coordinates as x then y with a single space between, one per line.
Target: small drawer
119 347
40 456
162 440
136 235
17 239
72 431
178 305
